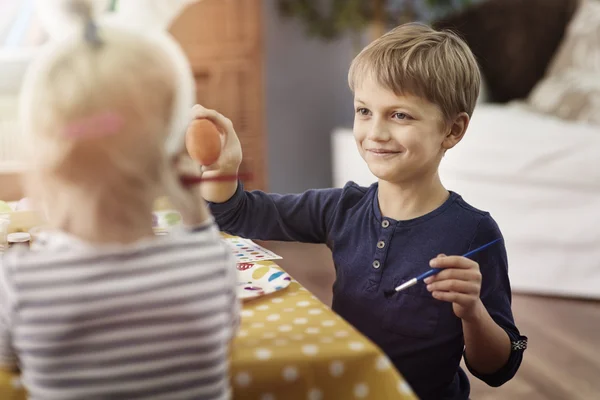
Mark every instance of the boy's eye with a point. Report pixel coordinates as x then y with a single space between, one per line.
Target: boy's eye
362 111
400 115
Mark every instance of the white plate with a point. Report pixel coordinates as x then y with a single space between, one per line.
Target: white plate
256 280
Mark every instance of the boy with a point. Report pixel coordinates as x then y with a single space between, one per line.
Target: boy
414 92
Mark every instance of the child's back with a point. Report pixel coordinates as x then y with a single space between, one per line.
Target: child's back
146 320
101 307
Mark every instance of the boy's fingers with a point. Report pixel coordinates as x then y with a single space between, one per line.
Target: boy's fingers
454 285
455 273
219 119
452 262
453 297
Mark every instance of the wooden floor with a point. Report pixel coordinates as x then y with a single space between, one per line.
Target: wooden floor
563 358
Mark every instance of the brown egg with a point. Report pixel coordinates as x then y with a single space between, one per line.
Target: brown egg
203 142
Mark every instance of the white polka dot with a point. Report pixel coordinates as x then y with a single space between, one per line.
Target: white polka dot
267 396
285 328
315 311
293 294
277 300
290 374
356 346
303 303
329 322
326 340
297 337
258 325
247 313
303 289
269 335
263 307
263 354
301 321
243 379
289 309
312 330
242 333
310 350
404 388
315 394
273 317
341 334
336 369
361 390
383 363
280 342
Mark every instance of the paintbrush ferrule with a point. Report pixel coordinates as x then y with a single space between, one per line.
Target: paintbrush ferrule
406 285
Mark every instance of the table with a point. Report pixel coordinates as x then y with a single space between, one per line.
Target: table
291 346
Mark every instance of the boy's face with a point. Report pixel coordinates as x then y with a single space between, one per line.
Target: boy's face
401 138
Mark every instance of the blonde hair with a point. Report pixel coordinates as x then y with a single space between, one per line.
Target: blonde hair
117 72
415 59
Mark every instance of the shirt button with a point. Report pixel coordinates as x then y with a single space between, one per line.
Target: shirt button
385 223
381 244
376 264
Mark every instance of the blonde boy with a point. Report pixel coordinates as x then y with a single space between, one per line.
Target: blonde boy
414 93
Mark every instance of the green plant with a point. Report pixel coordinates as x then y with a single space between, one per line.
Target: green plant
332 18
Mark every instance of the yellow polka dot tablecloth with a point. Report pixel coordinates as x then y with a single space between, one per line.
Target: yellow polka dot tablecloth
291 346
10 387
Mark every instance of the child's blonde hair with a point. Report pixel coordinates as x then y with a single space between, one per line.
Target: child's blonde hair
97 111
415 59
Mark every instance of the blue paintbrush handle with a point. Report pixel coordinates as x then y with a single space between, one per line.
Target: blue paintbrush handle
434 271
429 273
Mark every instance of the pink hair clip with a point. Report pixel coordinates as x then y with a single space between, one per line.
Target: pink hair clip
98 125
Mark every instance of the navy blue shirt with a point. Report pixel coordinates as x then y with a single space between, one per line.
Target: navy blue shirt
373 254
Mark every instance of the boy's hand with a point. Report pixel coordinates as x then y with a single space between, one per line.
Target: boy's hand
229 161
231 149
459 283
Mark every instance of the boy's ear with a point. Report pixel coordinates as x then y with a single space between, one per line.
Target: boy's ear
456 131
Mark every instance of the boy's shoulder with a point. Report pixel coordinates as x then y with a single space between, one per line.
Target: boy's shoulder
353 195
354 190
468 208
478 219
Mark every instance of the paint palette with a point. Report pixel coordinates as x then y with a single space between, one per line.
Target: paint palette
256 280
246 251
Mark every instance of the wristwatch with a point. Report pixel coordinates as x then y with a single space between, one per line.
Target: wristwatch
519 345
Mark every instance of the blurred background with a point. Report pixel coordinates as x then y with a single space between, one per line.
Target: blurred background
278 69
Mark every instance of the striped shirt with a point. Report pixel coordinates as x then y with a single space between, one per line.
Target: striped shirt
151 320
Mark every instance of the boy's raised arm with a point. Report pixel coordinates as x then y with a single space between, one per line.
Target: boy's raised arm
302 217
257 215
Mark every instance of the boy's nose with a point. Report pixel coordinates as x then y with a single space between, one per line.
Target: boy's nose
378 132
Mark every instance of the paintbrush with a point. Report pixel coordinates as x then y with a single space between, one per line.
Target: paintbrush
433 271
188 180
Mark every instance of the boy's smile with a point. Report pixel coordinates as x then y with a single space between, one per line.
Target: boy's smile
383 153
